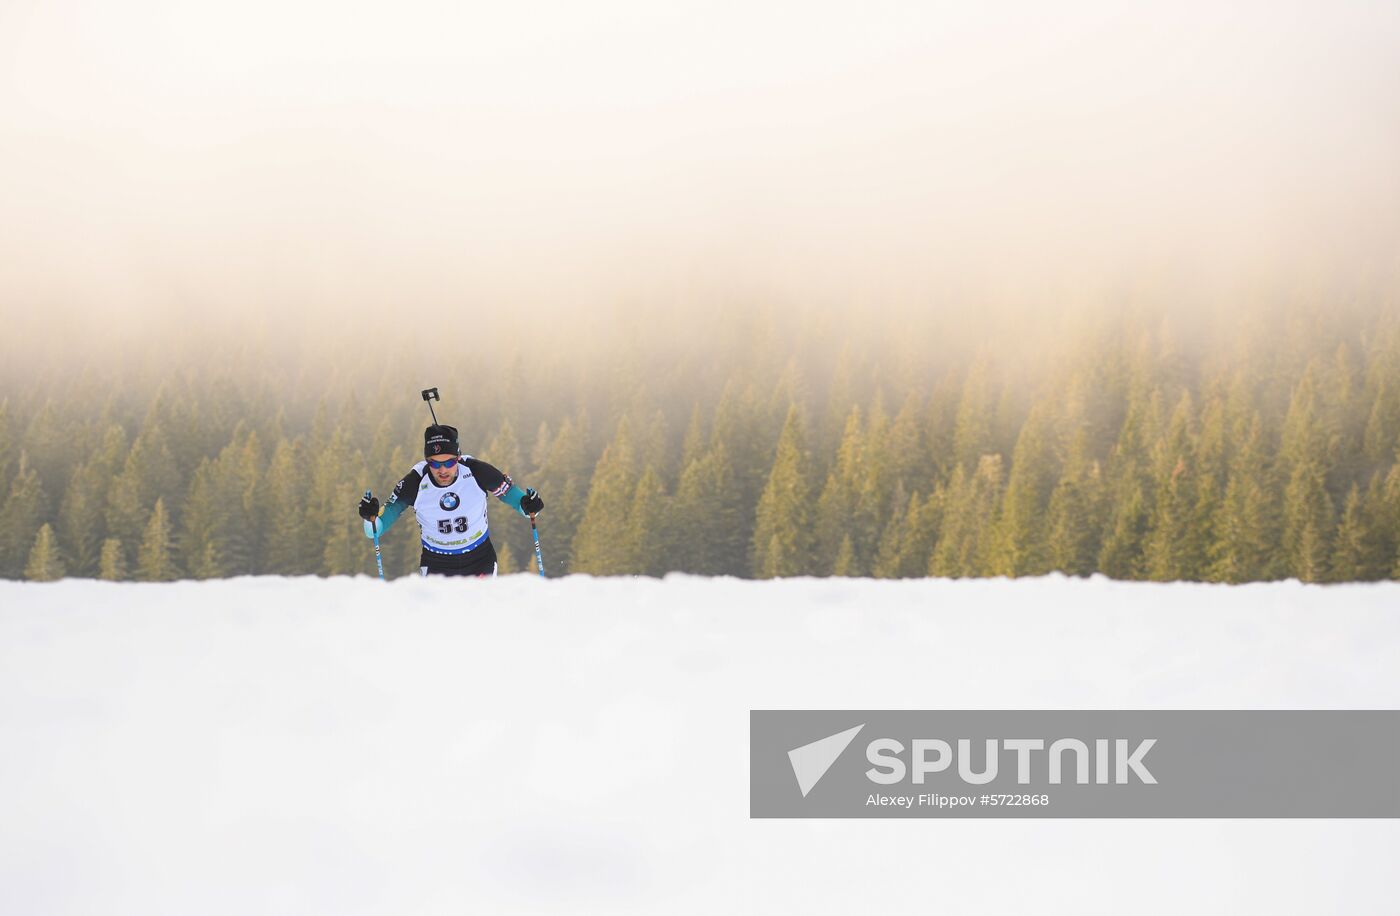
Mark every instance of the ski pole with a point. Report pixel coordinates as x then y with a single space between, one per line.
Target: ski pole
378 557
539 557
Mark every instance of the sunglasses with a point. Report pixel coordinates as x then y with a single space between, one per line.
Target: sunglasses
449 463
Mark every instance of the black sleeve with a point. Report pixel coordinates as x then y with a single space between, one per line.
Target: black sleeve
406 490
490 478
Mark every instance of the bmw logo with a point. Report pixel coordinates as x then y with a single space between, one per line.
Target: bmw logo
449 501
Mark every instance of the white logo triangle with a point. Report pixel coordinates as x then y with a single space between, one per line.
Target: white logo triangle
811 761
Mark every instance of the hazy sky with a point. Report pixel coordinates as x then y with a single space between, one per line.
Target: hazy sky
342 162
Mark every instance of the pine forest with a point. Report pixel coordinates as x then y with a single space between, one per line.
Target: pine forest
1146 445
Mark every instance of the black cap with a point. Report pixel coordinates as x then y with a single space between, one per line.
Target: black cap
440 440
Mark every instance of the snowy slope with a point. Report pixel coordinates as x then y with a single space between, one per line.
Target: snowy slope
342 746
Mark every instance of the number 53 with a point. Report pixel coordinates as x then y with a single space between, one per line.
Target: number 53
448 525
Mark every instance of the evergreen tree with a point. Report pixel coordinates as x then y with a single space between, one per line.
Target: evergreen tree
1175 547
330 507
243 473
80 529
845 564
836 507
602 546
789 391
924 524
1245 542
875 498
24 516
646 526
44 563
1074 516
886 562
840 401
564 477
946 560
1308 514
907 461
347 552
1122 555
230 499
1094 400
705 518
504 453
1020 540
156 557
906 547
783 542
9 449
695 442
939 420
148 474
172 409
745 435
1124 551
48 442
539 452
203 525
112 561
1212 476
651 442
1342 423
1356 555
972 430
966 540
1382 426
380 454
1010 411
111 455
284 499
1308 511
1387 515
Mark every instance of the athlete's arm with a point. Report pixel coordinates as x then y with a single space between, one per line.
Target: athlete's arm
405 492
494 482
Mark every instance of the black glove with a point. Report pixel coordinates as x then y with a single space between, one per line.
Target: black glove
369 508
530 503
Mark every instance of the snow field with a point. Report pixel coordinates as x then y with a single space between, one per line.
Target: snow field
344 746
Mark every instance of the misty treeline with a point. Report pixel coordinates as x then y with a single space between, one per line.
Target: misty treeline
1143 445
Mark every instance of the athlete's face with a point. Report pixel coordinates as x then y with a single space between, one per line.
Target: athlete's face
443 476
